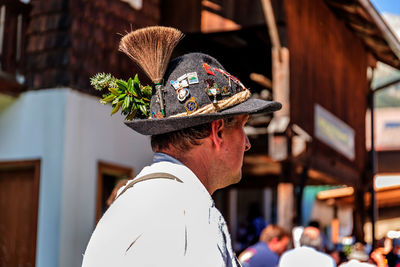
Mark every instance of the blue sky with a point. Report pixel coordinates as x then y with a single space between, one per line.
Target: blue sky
389 6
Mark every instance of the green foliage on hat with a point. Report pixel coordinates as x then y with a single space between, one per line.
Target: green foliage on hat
130 96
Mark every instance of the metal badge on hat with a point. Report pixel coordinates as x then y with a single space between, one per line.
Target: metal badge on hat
181 86
225 91
208 69
191 105
193 78
157 115
182 93
212 89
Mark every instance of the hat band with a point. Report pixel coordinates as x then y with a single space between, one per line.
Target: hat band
222 104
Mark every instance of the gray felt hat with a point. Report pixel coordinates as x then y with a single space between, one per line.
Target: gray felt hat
196 89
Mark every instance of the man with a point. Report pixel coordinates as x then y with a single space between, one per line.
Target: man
357 257
166 216
308 253
273 242
393 257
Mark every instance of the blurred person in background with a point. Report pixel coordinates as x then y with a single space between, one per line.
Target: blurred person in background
255 223
309 253
316 224
273 242
357 257
393 257
336 255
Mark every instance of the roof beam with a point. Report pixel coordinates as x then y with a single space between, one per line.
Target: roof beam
349 7
388 35
363 29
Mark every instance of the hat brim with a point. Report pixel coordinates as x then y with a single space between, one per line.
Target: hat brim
165 125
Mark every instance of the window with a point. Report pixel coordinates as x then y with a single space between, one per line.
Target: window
109 176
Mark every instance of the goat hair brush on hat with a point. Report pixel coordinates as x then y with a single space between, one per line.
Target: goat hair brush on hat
151 49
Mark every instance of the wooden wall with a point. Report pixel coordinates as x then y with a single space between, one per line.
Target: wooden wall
96 29
209 16
328 65
71 40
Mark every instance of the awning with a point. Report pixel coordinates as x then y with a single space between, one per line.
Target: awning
365 21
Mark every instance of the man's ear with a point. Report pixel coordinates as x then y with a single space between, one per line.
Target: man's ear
216 132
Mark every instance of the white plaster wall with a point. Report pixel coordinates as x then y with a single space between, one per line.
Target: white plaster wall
31 127
91 135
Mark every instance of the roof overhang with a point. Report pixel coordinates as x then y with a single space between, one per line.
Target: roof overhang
363 19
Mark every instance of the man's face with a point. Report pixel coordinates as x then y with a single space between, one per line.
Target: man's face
282 245
236 144
396 249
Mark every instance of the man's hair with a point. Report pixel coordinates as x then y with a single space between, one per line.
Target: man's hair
184 139
273 231
311 237
314 223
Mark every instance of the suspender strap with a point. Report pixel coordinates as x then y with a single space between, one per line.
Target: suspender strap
157 175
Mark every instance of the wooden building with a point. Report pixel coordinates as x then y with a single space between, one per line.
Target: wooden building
319 137
311 55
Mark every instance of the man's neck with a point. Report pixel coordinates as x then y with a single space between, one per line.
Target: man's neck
198 162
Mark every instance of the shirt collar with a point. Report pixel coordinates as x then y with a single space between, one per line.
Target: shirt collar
159 157
171 165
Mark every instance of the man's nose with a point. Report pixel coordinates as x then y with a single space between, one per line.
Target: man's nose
247 144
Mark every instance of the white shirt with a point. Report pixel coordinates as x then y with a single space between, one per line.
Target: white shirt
356 263
305 256
162 222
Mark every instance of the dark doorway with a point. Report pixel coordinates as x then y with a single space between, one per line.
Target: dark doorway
19 195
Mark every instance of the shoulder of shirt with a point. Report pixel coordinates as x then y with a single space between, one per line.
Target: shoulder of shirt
155 181
190 189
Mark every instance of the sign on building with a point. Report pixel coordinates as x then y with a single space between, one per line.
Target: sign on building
334 132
